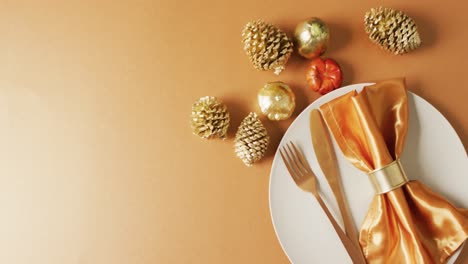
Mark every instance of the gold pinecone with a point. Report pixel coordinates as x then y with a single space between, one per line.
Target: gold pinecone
267 46
251 140
392 29
209 118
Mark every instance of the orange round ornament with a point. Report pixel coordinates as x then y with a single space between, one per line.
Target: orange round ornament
324 75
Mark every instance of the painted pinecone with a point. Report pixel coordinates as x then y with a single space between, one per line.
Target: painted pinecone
251 140
209 118
392 29
267 47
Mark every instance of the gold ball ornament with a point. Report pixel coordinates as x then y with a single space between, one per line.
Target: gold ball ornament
311 37
276 101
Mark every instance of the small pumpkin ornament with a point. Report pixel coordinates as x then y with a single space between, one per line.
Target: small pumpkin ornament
324 75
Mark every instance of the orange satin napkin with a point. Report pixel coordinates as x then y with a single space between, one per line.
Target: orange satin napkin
410 224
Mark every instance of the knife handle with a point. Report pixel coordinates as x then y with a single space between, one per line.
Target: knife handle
353 251
324 151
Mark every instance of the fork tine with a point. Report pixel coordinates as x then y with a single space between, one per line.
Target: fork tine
292 162
288 166
296 160
301 158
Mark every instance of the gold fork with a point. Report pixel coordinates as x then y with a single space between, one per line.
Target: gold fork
305 178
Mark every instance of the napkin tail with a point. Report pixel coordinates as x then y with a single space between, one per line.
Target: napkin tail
414 224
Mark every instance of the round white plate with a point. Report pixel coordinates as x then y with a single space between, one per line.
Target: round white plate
433 154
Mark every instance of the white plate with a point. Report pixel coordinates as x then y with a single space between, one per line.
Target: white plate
433 154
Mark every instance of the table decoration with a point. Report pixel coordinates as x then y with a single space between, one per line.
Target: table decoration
324 75
311 37
267 46
392 29
209 118
251 140
276 101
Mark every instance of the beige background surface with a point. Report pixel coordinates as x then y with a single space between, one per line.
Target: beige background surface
97 160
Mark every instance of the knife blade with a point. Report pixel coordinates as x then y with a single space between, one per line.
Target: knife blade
326 158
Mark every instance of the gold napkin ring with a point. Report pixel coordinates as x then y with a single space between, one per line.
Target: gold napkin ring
388 178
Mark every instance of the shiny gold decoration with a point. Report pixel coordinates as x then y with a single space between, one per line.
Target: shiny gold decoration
311 37
325 154
276 100
209 118
251 140
392 29
388 178
306 180
426 227
267 46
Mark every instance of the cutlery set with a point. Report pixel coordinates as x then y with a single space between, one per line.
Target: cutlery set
306 180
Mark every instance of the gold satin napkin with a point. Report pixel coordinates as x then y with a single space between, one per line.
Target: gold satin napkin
410 224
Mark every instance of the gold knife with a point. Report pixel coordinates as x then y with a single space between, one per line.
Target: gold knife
326 158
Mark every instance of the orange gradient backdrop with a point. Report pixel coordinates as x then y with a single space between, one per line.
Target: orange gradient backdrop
97 160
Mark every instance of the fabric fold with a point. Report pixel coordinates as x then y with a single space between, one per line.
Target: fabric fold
410 224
